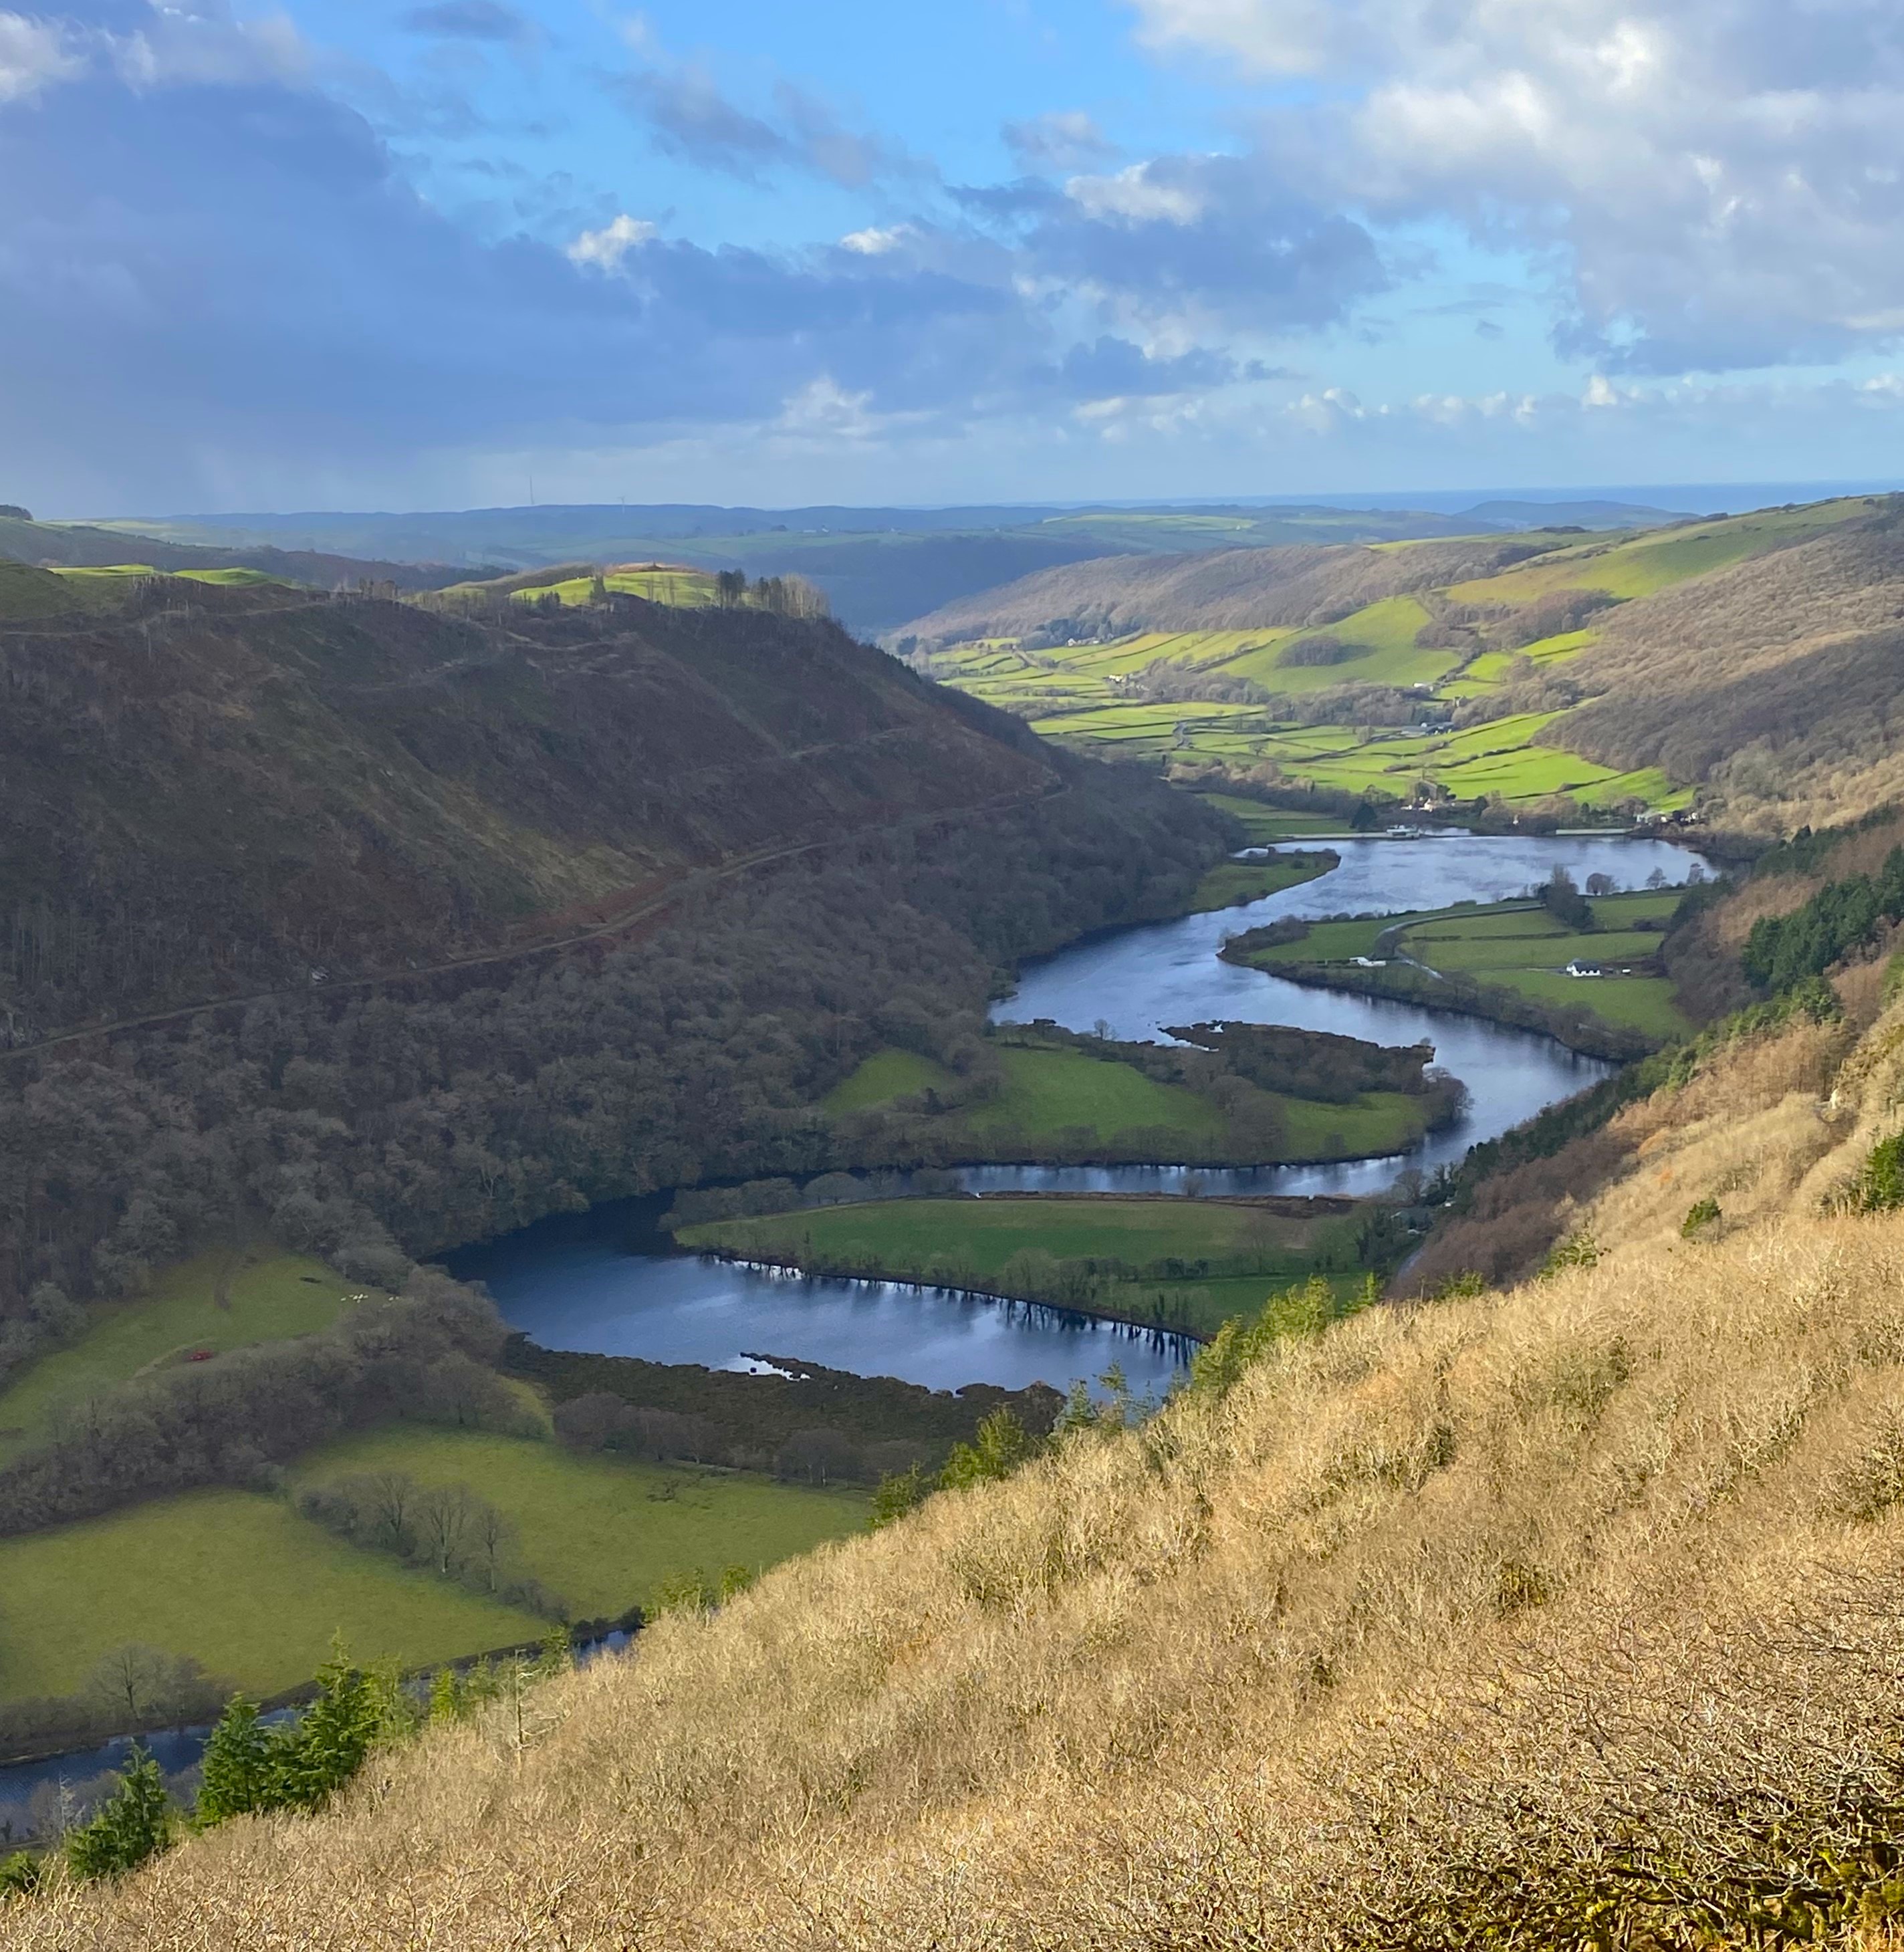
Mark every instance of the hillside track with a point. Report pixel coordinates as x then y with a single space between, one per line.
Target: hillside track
651 904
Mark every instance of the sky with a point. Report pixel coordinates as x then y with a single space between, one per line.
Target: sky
362 253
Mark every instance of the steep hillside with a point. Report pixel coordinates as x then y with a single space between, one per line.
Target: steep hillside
1776 677
1236 589
216 791
1562 1617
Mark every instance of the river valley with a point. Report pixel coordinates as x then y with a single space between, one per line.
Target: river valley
609 1280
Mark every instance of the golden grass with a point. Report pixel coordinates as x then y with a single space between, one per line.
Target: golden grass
1426 1613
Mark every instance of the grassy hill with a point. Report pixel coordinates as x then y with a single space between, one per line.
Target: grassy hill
214 790
1749 659
1564 1615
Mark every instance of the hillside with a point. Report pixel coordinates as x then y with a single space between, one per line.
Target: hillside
75 545
216 791
1236 589
1747 662
1561 1616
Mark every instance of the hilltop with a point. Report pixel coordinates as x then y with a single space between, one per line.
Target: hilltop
1557 1616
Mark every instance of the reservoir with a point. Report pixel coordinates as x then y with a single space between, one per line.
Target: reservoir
608 1280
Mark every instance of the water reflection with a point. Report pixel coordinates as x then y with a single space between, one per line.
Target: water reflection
607 1281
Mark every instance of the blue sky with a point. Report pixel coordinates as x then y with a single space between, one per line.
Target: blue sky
349 252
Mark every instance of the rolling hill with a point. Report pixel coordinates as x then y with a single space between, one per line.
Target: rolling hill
1750 660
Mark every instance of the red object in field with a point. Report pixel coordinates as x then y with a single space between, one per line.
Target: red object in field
200 1355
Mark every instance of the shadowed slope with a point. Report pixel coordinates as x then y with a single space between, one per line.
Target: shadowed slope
212 792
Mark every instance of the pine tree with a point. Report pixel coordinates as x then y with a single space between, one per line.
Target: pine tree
326 1747
237 1765
135 1824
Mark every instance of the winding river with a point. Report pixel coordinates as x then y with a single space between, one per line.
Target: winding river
609 1280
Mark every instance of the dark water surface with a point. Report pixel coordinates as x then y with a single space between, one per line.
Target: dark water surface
606 1281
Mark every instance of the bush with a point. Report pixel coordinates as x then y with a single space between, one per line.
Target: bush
1701 1214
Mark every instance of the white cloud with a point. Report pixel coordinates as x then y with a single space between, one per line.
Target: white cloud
1714 180
1138 194
873 242
34 53
606 249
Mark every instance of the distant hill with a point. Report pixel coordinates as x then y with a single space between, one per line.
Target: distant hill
1227 590
878 566
76 545
1508 515
219 790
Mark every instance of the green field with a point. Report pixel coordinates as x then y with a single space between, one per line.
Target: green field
1518 946
236 1579
1084 695
971 1242
1266 825
223 578
255 1592
1236 882
606 1533
1052 1096
217 1301
1045 1093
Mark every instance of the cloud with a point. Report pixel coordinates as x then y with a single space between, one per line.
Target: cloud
1064 139
687 116
33 54
605 248
1714 183
469 20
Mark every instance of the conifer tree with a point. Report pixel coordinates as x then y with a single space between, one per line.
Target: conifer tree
237 1765
135 1823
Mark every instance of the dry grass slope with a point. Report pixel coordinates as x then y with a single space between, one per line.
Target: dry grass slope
1455 1619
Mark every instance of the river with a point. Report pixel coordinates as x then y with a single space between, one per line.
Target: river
608 1280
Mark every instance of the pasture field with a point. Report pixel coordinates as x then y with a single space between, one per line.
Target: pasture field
973 1241
236 1579
1518 946
674 584
240 1582
223 578
1267 825
224 1299
606 1532
1045 1093
1053 1098
1236 882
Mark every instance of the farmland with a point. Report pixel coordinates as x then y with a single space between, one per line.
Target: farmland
1515 947
1057 1103
226 1299
1187 1264
603 1532
1414 678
